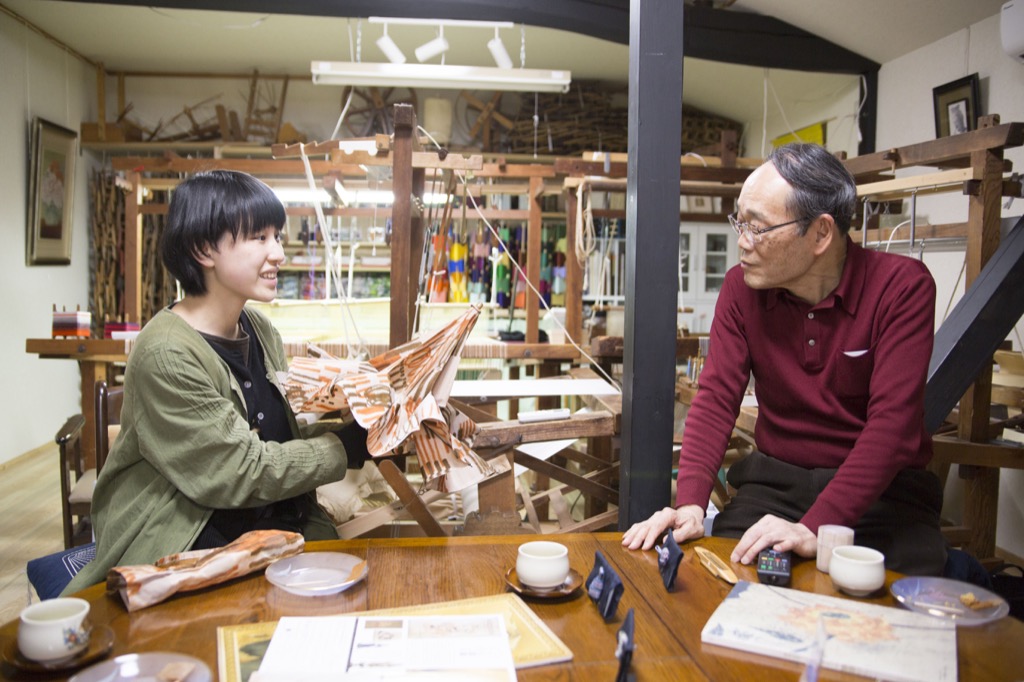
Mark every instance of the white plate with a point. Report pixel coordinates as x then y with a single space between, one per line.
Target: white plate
317 573
141 667
940 597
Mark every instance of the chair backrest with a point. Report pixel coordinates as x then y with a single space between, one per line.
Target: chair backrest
108 413
72 467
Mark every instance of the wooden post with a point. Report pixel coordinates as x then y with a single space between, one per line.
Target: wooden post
406 226
981 498
533 245
133 249
101 102
120 94
573 273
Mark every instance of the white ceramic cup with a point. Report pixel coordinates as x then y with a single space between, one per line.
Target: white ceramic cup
54 629
856 570
831 536
542 565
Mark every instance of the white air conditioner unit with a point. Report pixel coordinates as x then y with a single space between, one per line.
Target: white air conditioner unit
1011 28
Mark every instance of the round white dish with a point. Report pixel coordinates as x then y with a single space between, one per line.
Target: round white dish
141 666
316 574
940 598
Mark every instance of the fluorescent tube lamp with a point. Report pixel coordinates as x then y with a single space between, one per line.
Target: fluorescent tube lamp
390 49
440 76
432 48
301 195
498 51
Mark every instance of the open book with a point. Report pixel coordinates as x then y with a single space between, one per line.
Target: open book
863 638
241 648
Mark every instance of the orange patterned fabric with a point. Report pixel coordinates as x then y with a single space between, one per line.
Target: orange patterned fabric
401 398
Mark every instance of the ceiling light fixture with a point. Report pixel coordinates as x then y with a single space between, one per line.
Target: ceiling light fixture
400 73
498 51
440 76
390 49
432 48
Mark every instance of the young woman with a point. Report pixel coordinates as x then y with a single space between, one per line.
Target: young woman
209 448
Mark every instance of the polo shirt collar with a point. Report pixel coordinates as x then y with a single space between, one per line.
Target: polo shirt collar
851 283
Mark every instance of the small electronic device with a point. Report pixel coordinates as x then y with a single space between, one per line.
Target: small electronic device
774 568
544 415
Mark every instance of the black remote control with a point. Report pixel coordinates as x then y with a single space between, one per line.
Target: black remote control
774 568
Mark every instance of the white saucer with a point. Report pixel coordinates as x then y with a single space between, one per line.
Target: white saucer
141 666
317 573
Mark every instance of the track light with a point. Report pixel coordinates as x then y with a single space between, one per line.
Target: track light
432 48
390 49
498 51
440 76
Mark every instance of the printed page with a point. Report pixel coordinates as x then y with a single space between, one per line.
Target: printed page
365 649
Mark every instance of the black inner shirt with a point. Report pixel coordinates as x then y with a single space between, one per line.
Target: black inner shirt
268 418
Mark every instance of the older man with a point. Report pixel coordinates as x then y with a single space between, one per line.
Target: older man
838 340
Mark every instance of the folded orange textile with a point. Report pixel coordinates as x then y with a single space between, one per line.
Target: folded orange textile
145 585
401 398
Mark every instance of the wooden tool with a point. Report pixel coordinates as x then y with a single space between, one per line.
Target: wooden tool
715 565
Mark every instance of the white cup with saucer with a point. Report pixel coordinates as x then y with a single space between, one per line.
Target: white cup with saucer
542 565
54 629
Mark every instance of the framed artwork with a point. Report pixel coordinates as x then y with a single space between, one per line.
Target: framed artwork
956 106
51 191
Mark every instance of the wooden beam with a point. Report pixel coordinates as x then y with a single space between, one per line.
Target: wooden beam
946 181
944 151
259 167
497 434
955 451
584 485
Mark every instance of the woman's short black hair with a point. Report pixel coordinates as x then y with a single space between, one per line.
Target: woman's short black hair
206 207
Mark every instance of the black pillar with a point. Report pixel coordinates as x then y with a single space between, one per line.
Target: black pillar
652 253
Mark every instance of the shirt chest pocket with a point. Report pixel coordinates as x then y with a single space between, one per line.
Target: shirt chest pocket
852 375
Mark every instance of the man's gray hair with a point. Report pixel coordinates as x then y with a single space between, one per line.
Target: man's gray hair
820 181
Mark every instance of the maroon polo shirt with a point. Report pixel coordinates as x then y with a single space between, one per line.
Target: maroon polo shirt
839 384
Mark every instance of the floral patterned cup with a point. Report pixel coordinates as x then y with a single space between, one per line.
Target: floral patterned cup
54 629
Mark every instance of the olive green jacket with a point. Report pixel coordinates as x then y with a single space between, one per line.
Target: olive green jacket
185 449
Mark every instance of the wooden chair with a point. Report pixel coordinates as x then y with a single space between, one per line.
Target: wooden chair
108 419
76 484
76 479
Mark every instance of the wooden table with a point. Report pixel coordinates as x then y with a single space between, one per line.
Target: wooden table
409 572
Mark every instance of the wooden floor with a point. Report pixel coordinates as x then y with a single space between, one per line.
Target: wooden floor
30 524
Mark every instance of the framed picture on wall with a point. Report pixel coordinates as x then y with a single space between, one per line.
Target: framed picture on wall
956 106
51 191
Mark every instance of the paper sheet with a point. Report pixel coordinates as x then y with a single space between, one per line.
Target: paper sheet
449 648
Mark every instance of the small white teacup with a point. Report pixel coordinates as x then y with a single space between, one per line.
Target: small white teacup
542 564
857 570
54 629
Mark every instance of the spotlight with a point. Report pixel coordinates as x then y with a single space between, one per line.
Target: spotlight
389 48
498 51
433 48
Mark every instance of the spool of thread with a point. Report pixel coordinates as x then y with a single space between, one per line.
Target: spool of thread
830 537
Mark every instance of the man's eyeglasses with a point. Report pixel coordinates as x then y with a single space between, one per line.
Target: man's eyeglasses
754 233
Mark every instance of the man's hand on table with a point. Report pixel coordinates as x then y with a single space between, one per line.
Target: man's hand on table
778 534
686 523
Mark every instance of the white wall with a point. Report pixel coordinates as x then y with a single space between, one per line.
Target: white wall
796 100
905 116
37 79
